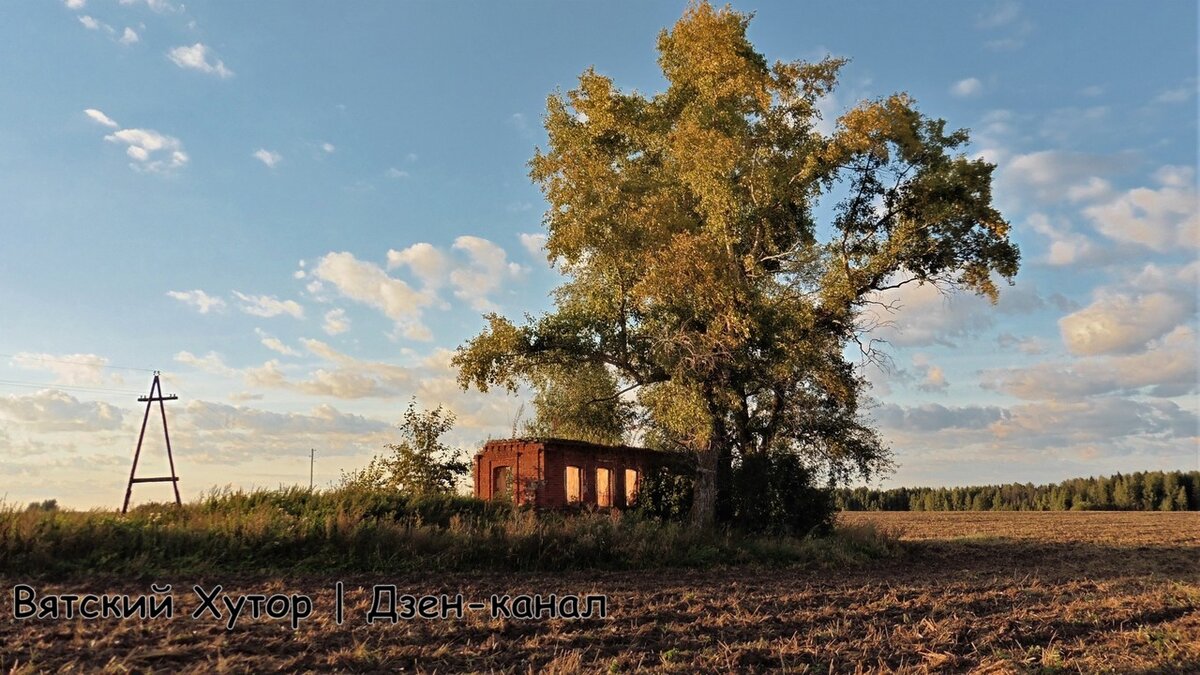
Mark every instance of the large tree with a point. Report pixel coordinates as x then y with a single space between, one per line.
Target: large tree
696 269
579 403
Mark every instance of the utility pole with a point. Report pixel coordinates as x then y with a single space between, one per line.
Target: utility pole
312 458
173 479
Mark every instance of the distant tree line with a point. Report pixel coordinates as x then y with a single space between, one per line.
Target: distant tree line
1139 491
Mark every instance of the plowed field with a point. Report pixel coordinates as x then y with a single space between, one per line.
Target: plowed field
981 592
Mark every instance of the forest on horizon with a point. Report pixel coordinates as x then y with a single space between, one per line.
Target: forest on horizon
1138 491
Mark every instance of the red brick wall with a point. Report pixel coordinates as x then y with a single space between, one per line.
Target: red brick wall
588 460
539 469
524 461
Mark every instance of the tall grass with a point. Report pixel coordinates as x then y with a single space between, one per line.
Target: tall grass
353 530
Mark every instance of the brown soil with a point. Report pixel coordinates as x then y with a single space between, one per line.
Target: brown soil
980 592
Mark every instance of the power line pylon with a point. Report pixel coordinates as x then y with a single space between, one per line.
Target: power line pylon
172 479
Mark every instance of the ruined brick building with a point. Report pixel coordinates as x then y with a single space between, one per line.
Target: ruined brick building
556 473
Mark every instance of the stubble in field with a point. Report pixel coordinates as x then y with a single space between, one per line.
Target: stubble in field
985 592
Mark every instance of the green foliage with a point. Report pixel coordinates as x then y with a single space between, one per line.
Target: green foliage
581 404
772 493
420 463
685 225
429 508
776 493
44 505
1139 491
354 530
665 495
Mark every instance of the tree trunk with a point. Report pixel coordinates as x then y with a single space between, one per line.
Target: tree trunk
704 490
708 464
723 506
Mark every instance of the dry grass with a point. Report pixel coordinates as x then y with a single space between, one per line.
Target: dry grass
987 592
294 531
1117 528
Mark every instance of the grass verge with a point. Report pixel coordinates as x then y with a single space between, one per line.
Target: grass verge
297 531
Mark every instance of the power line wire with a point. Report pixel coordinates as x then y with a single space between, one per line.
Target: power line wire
32 357
76 387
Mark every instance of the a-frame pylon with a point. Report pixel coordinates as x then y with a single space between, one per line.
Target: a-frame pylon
155 387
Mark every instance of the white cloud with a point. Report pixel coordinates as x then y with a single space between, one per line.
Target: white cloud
967 88
1091 190
933 379
922 314
210 363
424 260
203 302
1029 345
431 379
269 306
1049 174
150 150
1163 220
199 57
992 136
487 271
343 382
156 5
129 37
1094 423
269 376
1007 18
74 4
323 419
51 410
100 118
221 435
1067 247
369 284
336 322
475 271
1134 309
535 243
271 159
69 369
1004 13
1182 279
1180 94
396 173
1119 323
329 148
1071 124
932 417
275 344
1053 439
89 23
1168 367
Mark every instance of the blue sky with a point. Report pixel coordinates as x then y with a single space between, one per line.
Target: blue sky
297 210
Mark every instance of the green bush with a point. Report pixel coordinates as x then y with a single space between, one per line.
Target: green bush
295 530
768 493
665 494
775 493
